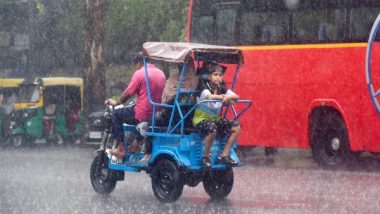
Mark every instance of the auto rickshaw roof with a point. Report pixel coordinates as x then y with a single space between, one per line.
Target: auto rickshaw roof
51 81
181 51
10 82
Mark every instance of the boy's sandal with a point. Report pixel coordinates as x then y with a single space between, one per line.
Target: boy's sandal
206 162
227 160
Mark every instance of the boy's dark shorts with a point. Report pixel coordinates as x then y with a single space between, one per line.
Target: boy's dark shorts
221 126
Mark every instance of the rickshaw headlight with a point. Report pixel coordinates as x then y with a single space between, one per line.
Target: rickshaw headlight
98 122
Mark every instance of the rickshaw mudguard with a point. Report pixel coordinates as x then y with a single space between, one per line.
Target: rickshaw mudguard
18 130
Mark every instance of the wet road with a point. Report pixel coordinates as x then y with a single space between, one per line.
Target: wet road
56 180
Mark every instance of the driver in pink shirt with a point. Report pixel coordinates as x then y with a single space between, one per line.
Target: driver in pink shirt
142 111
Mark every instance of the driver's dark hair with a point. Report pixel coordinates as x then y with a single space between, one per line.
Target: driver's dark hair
138 59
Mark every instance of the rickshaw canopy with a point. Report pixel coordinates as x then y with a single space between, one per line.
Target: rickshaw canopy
10 82
180 52
44 83
51 81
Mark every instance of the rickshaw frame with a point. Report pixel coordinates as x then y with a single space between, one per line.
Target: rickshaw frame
153 51
176 147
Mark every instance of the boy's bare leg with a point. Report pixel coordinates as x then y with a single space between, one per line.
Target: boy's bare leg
209 139
235 133
145 158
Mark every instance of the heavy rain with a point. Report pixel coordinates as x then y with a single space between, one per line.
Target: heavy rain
189 106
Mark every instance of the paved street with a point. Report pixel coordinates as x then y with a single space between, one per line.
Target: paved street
56 180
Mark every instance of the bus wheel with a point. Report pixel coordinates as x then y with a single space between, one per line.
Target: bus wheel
102 179
167 183
17 140
218 183
329 142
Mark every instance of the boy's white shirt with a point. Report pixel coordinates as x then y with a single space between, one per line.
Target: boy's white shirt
212 105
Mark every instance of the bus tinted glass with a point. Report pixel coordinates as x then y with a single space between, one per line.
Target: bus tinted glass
202 29
361 21
226 19
259 22
319 25
263 28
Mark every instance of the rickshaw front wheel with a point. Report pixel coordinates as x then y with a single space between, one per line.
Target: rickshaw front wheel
17 140
102 179
218 183
167 182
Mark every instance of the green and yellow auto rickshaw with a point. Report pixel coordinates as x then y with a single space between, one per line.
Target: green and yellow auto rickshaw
49 110
8 94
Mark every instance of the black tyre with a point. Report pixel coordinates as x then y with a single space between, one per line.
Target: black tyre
102 179
218 183
17 140
167 182
330 143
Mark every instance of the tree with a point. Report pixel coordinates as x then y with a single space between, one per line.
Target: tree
94 38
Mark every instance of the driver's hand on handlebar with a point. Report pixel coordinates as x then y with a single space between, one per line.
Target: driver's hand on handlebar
111 102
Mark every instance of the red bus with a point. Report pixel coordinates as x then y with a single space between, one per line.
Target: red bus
304 69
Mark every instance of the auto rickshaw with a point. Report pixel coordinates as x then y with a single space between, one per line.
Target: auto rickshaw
49 110
176 148
8 94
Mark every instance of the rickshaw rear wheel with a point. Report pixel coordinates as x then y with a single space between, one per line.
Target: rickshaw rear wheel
17 140
167 182
102 179
218 183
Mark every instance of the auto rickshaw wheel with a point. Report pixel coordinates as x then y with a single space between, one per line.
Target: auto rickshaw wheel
167 182
102 179
17 140
218 183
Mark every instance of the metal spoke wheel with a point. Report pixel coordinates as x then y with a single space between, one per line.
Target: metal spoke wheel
167 181
102 179
218 183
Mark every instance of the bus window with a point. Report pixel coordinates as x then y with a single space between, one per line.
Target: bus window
361 21
202 30
322 25
226 20
264 28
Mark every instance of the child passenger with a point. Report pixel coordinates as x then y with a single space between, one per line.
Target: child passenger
207 118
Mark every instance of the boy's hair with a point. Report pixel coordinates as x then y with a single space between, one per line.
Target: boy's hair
212 66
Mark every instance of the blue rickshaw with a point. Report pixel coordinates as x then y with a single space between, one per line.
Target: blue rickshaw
176 148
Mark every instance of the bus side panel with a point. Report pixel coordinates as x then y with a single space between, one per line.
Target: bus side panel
371 119
284 82
275 118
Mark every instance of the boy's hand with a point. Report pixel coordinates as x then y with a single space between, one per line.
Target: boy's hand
217 97
226 99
